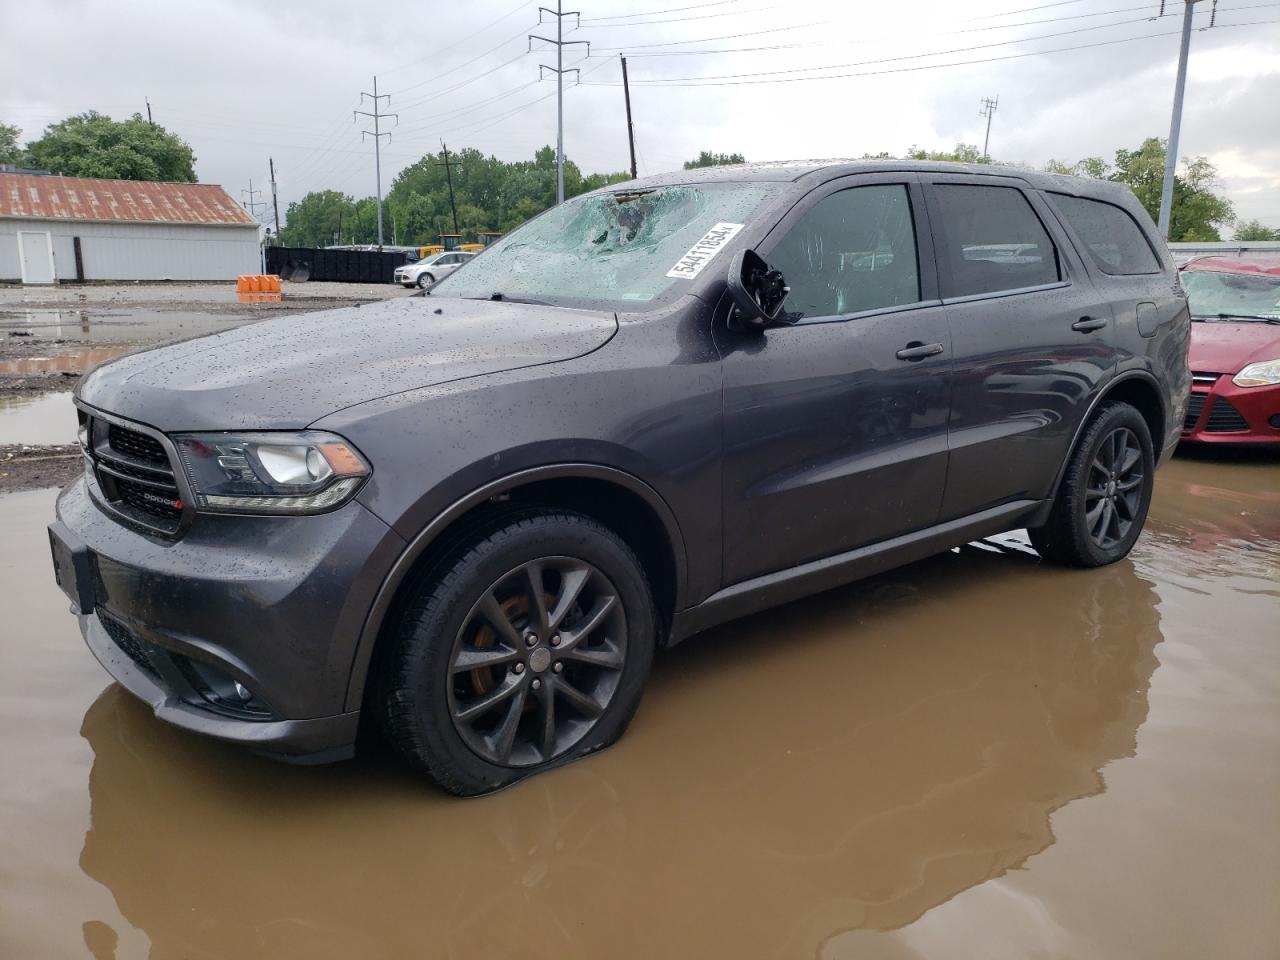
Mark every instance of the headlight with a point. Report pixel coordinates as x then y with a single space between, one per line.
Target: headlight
1264 373
289 473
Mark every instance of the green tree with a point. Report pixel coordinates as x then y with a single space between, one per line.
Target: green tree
1198 213
1256 230
709 159
10 152
961 153
315 220
93 145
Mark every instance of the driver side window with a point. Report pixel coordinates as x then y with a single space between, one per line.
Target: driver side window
852 251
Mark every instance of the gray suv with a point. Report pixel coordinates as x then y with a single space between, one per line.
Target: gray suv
469 519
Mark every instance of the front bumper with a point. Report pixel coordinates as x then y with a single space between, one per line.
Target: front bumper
276 604
1220 412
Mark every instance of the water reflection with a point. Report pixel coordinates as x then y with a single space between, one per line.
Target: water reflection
845 763
37 419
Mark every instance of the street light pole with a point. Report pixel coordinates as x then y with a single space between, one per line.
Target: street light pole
1175 124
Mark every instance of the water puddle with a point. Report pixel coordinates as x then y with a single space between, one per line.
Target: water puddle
40 421
107 325
80 360
978 755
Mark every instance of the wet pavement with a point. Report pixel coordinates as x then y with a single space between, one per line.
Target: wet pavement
975 756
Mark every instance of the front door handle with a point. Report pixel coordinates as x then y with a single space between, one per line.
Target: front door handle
1089 324
915 350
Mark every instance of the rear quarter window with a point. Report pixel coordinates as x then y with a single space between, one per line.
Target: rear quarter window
1114 241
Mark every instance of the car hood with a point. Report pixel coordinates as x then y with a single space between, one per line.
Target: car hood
1225 347
288 372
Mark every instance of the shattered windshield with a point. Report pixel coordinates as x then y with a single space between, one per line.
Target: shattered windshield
623 249
1212 293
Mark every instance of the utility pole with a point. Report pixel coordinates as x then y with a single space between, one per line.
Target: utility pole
1175 124
251 204
559 70
988 110
148 102
275 206
631 132
377 133
448 175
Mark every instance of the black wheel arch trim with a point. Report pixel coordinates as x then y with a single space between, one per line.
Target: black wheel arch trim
419 544
1121 378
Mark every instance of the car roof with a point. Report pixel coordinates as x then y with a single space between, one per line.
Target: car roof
1257 264
819 170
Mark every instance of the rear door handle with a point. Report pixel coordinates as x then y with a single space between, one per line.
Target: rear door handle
1089 324
915 350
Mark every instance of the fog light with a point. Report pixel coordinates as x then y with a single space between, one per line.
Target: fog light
1275 420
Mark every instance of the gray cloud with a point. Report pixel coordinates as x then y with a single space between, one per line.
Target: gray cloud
243 81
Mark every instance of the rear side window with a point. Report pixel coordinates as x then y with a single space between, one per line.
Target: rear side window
993 241
1115 242
852 251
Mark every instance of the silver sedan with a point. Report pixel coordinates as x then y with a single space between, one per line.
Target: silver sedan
426 272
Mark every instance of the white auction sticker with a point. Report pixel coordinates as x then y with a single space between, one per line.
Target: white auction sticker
700 254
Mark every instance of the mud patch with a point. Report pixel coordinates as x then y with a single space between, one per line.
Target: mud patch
27 468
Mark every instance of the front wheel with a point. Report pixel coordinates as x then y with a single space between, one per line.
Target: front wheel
1105 493
425 280
528 648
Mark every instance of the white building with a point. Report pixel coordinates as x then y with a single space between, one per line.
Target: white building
72 228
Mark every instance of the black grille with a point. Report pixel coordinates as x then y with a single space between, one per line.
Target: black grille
123 638
135 476
135 444
1225 418
1195 406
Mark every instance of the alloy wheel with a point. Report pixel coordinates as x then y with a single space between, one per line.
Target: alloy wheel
1113 492
537 661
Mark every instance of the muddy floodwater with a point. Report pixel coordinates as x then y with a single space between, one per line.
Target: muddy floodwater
973 757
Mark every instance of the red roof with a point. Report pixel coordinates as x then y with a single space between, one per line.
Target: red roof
1268 265
141 201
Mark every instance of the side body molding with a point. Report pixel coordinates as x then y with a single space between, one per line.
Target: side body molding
419 544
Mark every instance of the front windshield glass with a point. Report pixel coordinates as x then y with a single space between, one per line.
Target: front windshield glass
622 249
1212 293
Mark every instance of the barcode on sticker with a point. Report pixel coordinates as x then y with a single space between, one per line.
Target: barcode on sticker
700 254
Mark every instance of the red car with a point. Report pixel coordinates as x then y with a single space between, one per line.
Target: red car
1235 350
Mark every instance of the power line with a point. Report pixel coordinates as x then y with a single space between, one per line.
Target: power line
654 23
654 13
725 82
862 40
904 57
457 43
559 70
251 204
377 133
988 110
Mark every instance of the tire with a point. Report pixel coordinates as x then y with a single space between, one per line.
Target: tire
450 654
425 280
1105 493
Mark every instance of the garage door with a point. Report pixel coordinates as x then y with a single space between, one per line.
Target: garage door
36 251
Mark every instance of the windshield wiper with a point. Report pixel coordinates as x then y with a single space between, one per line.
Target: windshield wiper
503 298
1249 316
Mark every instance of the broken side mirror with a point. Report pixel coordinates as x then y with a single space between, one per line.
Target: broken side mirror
757 292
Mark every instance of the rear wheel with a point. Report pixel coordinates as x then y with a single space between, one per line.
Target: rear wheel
1105 493
528 648
425 280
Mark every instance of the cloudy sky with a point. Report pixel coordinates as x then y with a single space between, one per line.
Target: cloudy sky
243 80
